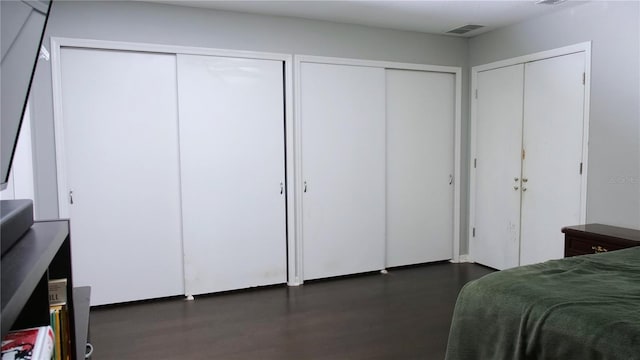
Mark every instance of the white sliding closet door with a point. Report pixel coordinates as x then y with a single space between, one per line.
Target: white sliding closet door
498 148
232 160
121 146
420 124
343 156
553 128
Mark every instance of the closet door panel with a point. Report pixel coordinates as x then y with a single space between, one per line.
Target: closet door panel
420 125
343 160
232 161
498 151
121 147
553 128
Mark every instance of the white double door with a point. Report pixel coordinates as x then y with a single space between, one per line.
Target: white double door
166 155
529 132
377 164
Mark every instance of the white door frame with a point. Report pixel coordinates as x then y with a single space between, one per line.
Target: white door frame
457 71
566 50
61 167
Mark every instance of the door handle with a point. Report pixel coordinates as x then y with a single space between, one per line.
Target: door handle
305 187
71 197
450 179
281 187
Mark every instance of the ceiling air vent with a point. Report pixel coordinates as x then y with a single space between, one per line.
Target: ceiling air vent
550 2
464 29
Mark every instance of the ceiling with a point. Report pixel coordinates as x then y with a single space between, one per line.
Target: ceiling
423 16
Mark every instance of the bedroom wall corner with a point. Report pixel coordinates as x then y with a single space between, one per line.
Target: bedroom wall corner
613 27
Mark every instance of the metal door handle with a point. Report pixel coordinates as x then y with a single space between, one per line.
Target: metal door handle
305 187
281 187
598 249
450 179
71 197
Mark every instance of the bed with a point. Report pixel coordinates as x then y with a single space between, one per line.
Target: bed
584 307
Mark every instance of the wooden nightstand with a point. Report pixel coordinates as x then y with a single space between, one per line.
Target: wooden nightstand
596 238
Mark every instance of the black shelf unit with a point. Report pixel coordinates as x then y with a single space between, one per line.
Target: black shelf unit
43 253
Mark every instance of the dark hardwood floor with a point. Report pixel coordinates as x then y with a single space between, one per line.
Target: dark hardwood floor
405 314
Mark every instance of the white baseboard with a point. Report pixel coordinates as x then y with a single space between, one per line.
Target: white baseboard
463 259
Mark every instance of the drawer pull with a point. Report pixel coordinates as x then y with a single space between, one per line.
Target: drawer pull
598 249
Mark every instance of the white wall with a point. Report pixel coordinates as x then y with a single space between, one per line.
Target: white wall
166 24
613 192
20 184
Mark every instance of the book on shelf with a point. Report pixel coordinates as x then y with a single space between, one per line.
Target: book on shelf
33 344
52 321
58 292
59 319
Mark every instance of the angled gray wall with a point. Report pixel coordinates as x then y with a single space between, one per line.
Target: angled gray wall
613 191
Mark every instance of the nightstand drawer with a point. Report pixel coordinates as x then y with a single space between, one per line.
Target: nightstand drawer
597 238
583 246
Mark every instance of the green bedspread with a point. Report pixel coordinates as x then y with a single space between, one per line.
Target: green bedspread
584 307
